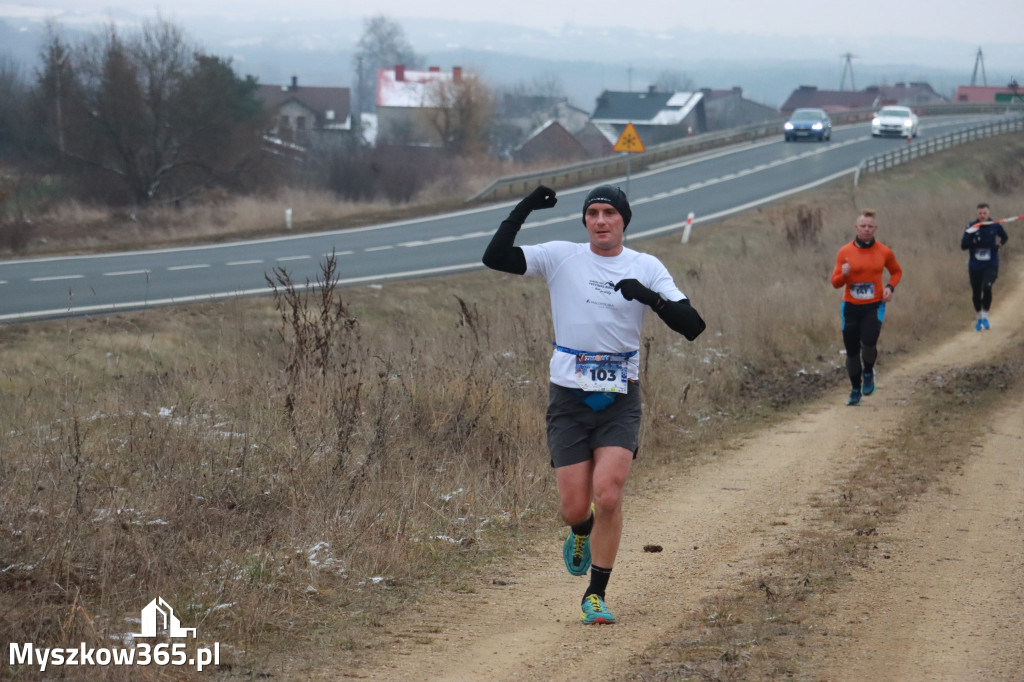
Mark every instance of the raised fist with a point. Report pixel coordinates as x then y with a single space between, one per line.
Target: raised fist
540 198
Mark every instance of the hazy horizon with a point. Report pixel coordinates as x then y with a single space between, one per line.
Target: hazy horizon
618 51
978 22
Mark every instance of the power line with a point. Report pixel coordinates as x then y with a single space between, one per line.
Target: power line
979 60
847 68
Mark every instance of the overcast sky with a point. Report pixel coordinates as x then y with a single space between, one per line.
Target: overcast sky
972 21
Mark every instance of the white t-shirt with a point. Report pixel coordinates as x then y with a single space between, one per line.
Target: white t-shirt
588 314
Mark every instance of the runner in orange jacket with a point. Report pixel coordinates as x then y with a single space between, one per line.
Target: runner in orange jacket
858 268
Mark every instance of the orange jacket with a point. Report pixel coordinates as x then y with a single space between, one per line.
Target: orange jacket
864 283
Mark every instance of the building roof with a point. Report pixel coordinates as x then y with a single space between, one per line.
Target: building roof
597 139
645 108
907 94
528 109
981 93
711 94
809 96
329 104
402 87
550 141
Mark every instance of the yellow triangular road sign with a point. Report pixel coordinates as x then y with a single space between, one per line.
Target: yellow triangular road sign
629 141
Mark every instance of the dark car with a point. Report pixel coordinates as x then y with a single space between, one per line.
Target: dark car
811 123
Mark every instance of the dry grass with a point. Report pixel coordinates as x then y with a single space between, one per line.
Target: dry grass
760 630
288 473
41 223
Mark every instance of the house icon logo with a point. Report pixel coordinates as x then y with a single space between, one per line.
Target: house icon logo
158 617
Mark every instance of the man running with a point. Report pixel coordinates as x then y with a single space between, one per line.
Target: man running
859 266
980 238
600 291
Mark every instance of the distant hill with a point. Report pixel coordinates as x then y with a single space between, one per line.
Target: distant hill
767 68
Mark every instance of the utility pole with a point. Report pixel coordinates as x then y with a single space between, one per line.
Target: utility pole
60 115
847 68
357 117
979 60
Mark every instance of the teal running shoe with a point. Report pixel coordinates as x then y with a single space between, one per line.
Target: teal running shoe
869 383
595 612
576 552
977 326
985 324
854 398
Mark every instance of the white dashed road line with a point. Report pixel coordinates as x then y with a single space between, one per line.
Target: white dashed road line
126 272
55 279
198 266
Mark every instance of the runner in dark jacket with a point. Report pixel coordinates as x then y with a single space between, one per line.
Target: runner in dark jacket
983 237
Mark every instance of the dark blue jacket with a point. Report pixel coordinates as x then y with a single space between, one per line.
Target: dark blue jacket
983 245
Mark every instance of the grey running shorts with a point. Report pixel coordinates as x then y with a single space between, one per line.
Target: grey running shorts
575 429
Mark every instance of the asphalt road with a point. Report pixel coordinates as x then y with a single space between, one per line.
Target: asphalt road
711 186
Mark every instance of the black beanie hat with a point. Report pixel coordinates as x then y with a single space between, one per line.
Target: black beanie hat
606 194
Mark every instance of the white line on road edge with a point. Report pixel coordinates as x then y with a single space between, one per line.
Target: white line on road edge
740 209
408 274
212 298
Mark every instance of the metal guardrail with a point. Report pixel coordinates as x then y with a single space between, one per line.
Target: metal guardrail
510 186
514 186
916 150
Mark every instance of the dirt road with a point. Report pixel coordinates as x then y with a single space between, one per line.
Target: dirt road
947 603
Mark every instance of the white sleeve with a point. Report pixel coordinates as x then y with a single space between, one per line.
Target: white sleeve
661 281
541 258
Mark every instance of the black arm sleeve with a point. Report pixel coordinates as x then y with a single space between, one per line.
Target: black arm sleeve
502 253
681 318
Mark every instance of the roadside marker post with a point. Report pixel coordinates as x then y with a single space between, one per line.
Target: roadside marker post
629 142
689 225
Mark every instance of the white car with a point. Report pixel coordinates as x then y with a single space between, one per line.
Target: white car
898 121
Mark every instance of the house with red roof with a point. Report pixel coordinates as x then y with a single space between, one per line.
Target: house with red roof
550 143
407 103
986 94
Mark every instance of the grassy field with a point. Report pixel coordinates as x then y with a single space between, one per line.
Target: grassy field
290 472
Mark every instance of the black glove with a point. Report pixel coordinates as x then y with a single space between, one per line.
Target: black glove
542 197
632 290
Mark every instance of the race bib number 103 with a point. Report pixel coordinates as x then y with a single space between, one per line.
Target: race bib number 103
602 372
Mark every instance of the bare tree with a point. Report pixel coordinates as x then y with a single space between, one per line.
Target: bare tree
461 111
13 107
150 110
54 89
382 46
671 80
522 108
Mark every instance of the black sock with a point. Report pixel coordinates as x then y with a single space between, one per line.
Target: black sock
583 529
598 581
